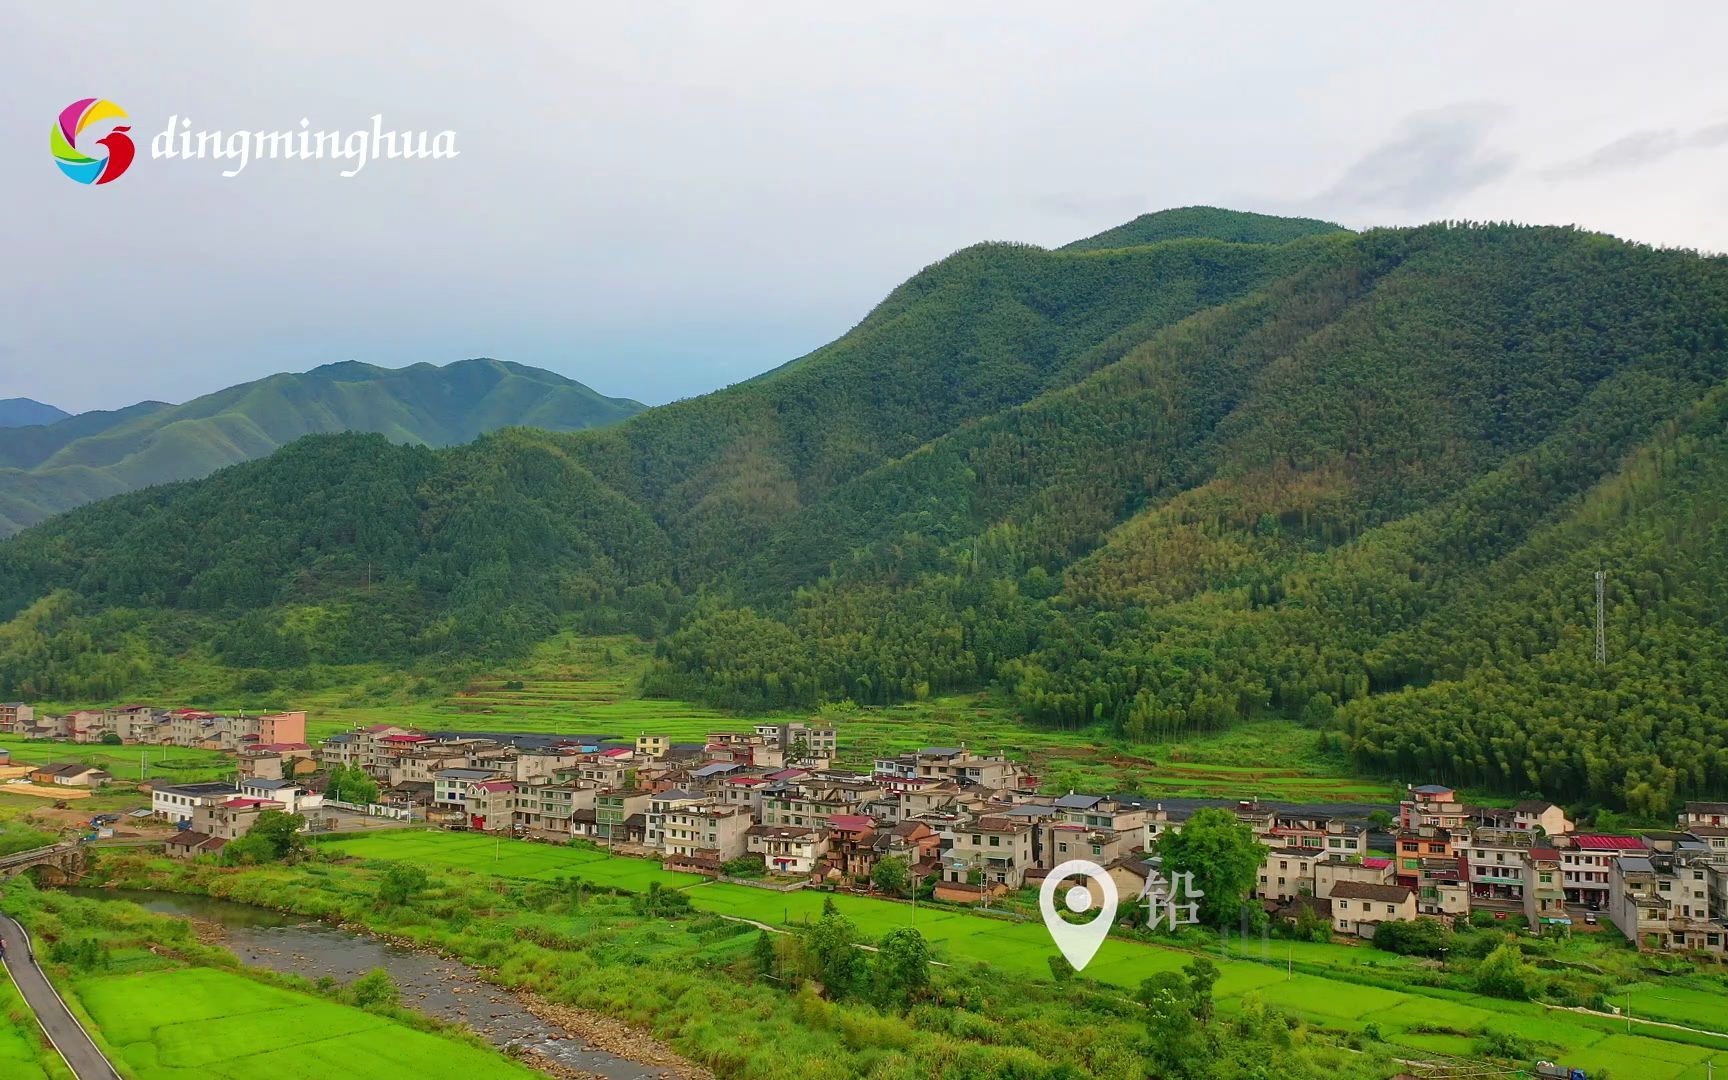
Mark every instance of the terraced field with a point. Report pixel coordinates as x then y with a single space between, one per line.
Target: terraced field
589 686
1448 1021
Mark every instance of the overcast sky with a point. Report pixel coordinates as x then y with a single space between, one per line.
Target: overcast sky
663 200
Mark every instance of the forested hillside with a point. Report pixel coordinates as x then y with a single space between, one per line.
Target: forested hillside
49 468
1360 480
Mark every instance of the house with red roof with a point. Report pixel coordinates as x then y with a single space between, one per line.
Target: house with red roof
230 819
1587 866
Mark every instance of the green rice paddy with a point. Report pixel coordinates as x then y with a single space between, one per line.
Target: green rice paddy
205 1023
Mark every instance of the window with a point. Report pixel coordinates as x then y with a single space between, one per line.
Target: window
1343 905
995 841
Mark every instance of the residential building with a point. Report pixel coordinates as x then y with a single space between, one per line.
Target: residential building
706 830
1537 815
1288 872
16 718
177 802
787 849
1432 806
659 805
450 787
294 798
614 811
1359 908
490 805
998 847
232 818
1586 865
70 775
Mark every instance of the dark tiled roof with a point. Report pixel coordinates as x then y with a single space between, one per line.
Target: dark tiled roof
1362 890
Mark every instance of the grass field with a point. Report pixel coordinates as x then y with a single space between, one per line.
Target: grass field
168 763
962 937
510 858
201 1022
23 1052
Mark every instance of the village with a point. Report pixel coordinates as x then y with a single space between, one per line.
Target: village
769 806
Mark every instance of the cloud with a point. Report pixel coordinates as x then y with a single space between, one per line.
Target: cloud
1638 149
1434 158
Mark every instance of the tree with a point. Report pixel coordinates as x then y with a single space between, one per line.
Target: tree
352 784
1413 937
1223 858
1178 1044
1504 974
890 875
901 967
1380 819
831 955
274 837
661 902
1202 976
401 883
765 955
110 738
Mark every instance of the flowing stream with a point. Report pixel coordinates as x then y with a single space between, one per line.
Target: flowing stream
433 985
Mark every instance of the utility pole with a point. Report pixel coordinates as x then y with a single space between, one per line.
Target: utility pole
1601 613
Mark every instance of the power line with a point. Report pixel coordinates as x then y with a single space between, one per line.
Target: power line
1601 616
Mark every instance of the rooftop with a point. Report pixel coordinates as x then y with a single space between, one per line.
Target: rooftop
1362 890
1597 842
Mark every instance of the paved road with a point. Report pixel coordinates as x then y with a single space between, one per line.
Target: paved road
68 1037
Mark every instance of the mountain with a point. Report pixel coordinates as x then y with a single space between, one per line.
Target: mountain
1205 221
1361 480
44 470
23 412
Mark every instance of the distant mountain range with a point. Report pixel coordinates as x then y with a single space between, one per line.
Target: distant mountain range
1202 468
63 461
23 412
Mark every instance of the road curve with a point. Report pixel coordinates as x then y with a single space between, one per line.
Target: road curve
64 1031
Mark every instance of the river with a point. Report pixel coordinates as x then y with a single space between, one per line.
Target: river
433 985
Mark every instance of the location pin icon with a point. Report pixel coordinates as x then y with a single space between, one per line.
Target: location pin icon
1078 941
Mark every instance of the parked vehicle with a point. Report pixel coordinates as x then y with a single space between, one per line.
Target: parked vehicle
1590 919
1559 1072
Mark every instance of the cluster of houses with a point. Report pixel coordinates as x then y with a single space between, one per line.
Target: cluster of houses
770 801
210 815
147 726
976 824
1663 890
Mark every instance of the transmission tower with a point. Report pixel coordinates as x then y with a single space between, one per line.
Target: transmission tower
1601 616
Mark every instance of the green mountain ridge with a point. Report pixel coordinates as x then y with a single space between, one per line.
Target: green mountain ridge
44 470
1362 480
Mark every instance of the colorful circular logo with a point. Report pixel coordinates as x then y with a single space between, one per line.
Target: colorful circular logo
63 141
